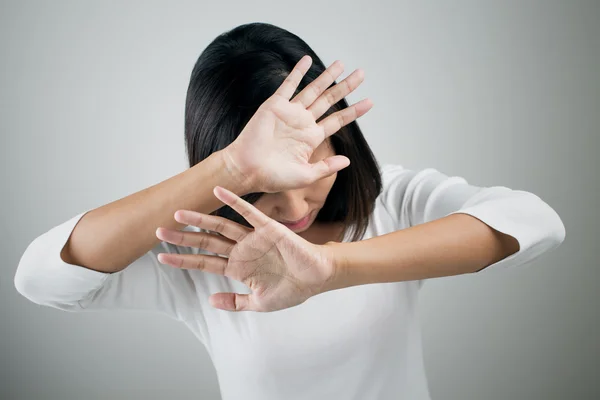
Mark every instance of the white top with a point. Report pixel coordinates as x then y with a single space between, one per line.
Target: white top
361 342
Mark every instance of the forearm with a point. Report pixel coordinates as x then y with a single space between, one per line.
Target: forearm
453 245
111 237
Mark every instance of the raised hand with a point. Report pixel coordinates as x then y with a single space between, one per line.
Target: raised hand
281 268
273 150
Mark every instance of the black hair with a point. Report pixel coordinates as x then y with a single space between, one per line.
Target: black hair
233 76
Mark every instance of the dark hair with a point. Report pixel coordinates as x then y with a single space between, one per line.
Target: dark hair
233 76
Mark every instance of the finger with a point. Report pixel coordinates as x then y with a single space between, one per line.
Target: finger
328 166
202 240
335 121
230 301
291 82
336 93
202 262
250 213
229 229
311 92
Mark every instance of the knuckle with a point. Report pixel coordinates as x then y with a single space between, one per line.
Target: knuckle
203 241
331 98
219 226
316 90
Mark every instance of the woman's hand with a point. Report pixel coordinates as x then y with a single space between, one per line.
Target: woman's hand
281 268
273 150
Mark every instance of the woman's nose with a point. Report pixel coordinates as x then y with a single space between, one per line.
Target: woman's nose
291 206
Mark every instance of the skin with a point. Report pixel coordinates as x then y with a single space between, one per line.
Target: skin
273 151
282 268
292 205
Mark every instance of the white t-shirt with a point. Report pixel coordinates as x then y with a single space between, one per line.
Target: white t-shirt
361 342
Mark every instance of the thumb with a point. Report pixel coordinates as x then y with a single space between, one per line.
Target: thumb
230 301
328 166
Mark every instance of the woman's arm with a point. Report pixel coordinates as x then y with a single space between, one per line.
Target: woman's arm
111 237
92 261
453 245
460 229
454 228
83 263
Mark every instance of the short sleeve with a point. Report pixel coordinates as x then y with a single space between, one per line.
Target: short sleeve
44 278
415 197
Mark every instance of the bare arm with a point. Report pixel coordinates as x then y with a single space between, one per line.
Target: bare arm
453 245
492 227
111 237
72 266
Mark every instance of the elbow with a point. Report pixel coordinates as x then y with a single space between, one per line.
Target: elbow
547 225
559 232
44 278
35 279
24 285
556 230
25 281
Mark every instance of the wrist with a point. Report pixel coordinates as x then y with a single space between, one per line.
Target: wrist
243 180
336 266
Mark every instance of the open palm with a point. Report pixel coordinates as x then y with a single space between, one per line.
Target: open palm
281 268
292 137
275 146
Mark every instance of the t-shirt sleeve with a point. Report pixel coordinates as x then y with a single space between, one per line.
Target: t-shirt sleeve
43 277
415 197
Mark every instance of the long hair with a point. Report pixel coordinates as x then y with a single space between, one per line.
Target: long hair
233 76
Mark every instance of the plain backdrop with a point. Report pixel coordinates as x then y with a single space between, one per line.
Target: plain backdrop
501 93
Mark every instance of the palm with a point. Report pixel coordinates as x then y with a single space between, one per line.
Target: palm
281 268
273 150
287 133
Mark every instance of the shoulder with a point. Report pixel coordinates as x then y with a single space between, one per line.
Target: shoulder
394 172
408 193
396 179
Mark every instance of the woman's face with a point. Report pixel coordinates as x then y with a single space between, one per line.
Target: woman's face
298 208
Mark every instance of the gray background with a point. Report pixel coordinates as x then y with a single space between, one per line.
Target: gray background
501 93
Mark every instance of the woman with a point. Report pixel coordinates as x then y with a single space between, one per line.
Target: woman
285 212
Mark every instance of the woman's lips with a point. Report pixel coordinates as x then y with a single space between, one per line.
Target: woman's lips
298 224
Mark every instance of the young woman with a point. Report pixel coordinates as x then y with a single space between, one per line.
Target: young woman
292 256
